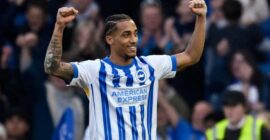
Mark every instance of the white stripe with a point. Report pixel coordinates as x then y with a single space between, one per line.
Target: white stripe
138 122
112 103
154 110
98 105
128 125
123 79
133 71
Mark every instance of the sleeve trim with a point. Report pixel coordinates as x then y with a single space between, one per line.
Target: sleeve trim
75 71
174 63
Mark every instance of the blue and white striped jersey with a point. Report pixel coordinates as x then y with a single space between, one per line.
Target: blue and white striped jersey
123 99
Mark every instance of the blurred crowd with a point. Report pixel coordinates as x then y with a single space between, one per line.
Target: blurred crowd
236 59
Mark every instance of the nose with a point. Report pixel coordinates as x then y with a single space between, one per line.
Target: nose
134 39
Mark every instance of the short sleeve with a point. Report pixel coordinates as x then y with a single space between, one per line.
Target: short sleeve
164 65
82 73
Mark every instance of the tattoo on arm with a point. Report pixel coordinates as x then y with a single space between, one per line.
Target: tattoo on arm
53 64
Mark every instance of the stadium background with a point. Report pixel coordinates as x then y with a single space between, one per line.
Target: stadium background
236 57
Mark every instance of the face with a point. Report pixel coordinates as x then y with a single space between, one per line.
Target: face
240 68
216 4
81 5
201 110
182 8
123 41
58 83
35 17
16 127
84 35
234 113
161 117
151 18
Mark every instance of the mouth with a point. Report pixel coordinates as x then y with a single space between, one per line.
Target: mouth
132 48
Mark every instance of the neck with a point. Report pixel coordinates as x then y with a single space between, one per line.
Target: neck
121 61
198 126
151 31
186 19
238 124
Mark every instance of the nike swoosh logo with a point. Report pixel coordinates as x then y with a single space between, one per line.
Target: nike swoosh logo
115 78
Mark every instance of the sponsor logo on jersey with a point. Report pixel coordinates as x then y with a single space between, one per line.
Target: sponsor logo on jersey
130 96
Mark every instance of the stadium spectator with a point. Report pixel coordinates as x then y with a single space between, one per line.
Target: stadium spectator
59 98
151 36
33 37
3 134
17 125
178 29
87 41
248 79
200 111
254 11
237 124
223 41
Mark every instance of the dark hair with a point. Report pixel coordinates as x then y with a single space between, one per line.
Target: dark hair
233 98
232 10
19 112
110 24
214 117
146 4
111 21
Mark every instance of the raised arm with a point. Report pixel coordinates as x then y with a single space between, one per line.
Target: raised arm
53 64
194 50
173 116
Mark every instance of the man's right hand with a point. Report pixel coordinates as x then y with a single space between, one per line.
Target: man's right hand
65 15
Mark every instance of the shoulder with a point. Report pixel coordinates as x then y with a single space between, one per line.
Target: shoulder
153 58
88 62
86 66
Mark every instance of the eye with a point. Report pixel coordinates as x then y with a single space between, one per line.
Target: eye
136 34
125 35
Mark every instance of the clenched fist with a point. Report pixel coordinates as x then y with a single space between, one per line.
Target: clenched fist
65 15
198 7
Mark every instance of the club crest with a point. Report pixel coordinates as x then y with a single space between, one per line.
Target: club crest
141 75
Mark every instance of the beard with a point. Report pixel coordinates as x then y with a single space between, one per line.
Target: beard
129 56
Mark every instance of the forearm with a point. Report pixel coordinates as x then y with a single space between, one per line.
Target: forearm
53 64
173 116
175 37
163 41
54 51
196 44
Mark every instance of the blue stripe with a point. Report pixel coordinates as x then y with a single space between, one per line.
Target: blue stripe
105 104
75 71
137 69
174 63
142 60
120 122
129 78
116 77
93 97
142 119
150 102
132 112
107 60
136 65
150 99
92 91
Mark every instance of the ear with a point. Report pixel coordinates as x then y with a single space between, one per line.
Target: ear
109 40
